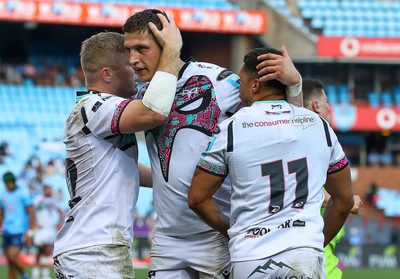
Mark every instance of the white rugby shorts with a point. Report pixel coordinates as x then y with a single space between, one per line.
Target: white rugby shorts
205 253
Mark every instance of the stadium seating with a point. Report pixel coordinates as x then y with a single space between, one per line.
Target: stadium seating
209 4
31 115
363 18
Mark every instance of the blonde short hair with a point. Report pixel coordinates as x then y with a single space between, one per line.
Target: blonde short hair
99 51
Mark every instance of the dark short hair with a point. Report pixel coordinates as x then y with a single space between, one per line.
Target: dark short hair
250 63
312 88
138 22
9 177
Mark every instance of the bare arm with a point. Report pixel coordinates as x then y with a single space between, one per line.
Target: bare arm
1 217
357 203
273 66
338 185
31 219
137 116
170 40
145 176
200 200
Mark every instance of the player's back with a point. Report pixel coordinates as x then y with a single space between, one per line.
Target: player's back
278 164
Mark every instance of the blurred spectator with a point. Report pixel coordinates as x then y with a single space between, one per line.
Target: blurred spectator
43 74
49 218
372 193
378 153
17 220
395 236
4 151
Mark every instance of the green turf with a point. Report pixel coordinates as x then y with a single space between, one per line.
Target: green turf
139 273
363 273
366 273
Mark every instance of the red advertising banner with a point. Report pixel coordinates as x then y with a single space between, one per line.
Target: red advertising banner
351 47
347 117
114 15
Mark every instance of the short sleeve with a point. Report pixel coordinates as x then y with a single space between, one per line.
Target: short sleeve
227 88
214 159
338 160
103 113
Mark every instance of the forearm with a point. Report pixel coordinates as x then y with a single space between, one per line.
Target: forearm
326 199
31 218
335 216
145 176
294 94
209 212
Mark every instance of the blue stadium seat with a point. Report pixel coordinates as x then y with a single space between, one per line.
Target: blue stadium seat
353 18
396 96
373 99
386 98
344 94
331 94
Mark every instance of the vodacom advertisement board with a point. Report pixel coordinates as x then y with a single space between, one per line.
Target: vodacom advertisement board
351 47
347 117
114 15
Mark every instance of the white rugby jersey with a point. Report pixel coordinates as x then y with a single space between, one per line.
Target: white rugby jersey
206 94
278 157
102 175
46 212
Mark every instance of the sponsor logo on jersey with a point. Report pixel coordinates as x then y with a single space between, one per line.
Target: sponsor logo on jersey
261 124
303 120
276 106
225 73
203 66
299 223
272 266
96 106
277 112
257 232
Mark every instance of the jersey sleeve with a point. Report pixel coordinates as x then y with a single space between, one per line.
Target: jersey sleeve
338 160
102 113
227 92
214 160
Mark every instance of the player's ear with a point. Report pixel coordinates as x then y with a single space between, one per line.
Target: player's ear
315 106
106 74
255 85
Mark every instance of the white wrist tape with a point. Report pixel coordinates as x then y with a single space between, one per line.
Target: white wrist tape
160 94
294 90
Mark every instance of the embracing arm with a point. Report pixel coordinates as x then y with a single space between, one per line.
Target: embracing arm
200 200
281 68
153 110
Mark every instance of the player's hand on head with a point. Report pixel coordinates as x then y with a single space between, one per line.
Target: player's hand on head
279 67
169 38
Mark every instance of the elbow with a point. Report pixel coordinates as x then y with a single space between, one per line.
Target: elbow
158 119
350 204
346 206
193 202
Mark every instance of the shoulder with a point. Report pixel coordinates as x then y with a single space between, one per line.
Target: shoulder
211 70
